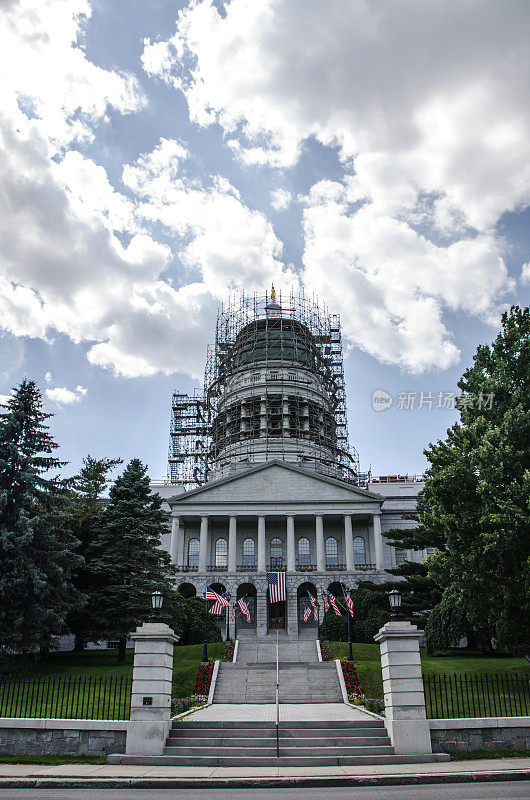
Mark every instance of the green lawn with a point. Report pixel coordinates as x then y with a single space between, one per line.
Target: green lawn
52 760
51 688
368 664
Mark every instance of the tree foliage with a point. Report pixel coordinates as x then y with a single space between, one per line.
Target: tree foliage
186 617
127 558
37 552
371 613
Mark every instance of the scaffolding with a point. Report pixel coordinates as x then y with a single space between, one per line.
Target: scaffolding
283 347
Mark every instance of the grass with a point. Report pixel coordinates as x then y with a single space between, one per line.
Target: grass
471 755
368 664
52 760
96 702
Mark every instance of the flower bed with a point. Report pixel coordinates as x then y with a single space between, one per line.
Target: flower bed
181 704
228 654
204 678
325 651
351 679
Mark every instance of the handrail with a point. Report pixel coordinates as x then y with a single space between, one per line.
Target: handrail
277 701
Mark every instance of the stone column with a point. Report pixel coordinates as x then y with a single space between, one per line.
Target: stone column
291 555
232 534
378 541
262 555
151 689
348 543
175 539
203 545
405 716
319 530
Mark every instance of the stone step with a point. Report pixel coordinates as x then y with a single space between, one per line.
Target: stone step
270 751
274 761
249 725
286 733
270 741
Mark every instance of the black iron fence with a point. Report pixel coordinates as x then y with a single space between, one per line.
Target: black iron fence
474 695
66 697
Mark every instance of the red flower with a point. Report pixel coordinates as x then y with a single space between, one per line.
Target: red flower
204 678
351 679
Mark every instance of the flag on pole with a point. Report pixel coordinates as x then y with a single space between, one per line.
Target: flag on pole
314 603
330 599
277 587
307 613
349 601
220 602
233 615
244 608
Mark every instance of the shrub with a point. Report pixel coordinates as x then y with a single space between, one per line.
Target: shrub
204 678
325 651
228 654
181 704
374 705
351 679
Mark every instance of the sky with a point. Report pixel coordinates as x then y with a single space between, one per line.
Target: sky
158 157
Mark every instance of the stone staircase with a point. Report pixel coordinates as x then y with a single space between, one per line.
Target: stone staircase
253 744
303 679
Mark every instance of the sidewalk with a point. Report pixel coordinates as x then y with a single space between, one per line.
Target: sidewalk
116 776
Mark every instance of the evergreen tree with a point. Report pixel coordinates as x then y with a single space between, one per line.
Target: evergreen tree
474 507
85 513
127 557
37 552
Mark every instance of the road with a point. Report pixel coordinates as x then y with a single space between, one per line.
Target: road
502 790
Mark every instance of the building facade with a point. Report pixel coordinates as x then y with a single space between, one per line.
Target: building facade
262 477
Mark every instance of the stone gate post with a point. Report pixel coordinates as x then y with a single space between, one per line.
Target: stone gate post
151 689
406 720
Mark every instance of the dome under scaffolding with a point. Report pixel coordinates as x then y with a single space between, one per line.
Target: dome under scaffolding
273 389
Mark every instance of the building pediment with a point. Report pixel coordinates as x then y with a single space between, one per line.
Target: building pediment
275 482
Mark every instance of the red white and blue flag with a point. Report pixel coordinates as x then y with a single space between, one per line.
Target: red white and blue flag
233 615
314 603
307 613
329 599
277 587
244 608
349 601
220 602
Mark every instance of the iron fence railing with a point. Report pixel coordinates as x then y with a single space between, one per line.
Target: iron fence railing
477 695
66 697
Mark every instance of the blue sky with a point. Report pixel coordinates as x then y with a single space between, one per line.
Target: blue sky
158 157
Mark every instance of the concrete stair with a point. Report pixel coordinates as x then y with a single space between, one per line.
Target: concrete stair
253 744
256 683
259 650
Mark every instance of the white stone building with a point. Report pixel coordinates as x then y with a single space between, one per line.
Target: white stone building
261 476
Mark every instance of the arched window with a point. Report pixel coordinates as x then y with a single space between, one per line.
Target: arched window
248 553
304 554
359 551
332 551
221 553
193 553
276 553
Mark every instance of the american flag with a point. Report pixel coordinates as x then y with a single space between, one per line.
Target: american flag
244 608
277 587
220 601
349 601
307 613
233 615
330 599
314 603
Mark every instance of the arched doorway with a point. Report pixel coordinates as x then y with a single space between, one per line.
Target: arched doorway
304 603
247 591
187 590
220 588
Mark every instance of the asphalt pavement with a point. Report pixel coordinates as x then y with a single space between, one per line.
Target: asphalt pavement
502 790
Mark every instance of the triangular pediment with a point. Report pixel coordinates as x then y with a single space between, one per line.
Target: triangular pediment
275 481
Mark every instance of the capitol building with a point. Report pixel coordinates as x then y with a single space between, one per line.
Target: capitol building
261 475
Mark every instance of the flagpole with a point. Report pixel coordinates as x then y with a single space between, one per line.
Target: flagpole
350 651
205 649
325 624
228 597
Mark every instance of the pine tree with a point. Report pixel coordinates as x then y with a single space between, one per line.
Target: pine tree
85 513
127 556
37 552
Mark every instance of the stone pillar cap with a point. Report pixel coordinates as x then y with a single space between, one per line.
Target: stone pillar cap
155 631
398 629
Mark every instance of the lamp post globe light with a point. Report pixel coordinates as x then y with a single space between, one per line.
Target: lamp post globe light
157 601
394 598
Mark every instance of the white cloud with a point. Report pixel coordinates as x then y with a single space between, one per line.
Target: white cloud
4 398
48 377
63 396
525 272
280 199
428 107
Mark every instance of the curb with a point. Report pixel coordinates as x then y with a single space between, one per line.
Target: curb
220 783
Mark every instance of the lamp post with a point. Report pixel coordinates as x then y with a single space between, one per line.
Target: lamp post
350 651
157 601
228 597
205 648
394 598
325 624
